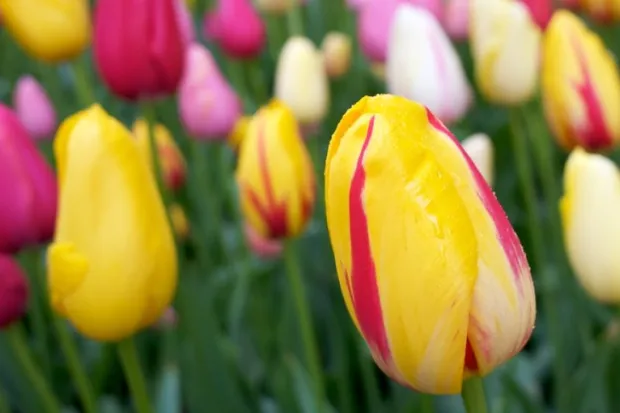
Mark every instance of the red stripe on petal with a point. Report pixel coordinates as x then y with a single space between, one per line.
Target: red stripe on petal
506 234
363 281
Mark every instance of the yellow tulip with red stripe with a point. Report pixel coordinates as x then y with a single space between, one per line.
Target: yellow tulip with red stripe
431 270
275 174
580 85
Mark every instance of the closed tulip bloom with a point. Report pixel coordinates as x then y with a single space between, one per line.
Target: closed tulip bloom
138 50
431 270
300 80
112 267
49 30
480 149
275 174
506 47
540 10
34 108
236 27
422 65
170 158
13 291
604 11
456 19
580 85
337 50
28 188
208 105
589 209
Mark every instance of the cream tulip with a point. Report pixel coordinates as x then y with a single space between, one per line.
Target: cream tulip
589 210
422 65
301 81
480 149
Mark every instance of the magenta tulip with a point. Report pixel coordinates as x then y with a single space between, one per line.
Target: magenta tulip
13 291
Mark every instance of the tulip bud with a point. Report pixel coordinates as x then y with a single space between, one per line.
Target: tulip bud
301 82
589 209
431 270
336 49
480 149
505 46
13 291
540 11
138 50
170 158
580 85
34 108
236 27
179 220
275 174
49 30
262 247
422 64
185 22
28 188
208 105
239 132
112 267
456 19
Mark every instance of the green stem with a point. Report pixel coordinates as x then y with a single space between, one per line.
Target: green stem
473 396
426 403
133 373
257 82
17 341
302 307
76 369
294 20
148 111
549 302
83 87
4 403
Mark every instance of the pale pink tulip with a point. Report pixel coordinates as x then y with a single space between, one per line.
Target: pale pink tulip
185 21
34 108
456 19
208 105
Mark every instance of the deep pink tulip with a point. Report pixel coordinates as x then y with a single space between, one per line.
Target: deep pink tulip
34 108
27 187
540 10
374 21
208 105
236 27
185 21
13 291
138 48
456 19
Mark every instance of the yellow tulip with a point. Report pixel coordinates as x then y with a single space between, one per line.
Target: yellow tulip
49 30
430 268
240 130
112 267
179 221
275 174
505 45
589 209
170 157
580 85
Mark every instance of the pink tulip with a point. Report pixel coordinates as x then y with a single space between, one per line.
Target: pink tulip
540 10
28 188
237 28
185 22
13 290
34 108
208 105
262 247
456 19
375 19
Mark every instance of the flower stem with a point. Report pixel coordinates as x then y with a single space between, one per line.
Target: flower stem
17 341
83 87
302 307
294 20
133 373
473 396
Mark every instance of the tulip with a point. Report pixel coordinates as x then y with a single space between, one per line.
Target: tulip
431 270
422 64
239 132
185 22
28 188
356 4
208 105
506 46
112 267
456 19
34 108
480 149
13 290
540 11
336 49
580 85
275 174
300 80
591 231
180 224
604 11
262 247
49 30
236 27
171 160
276 6
138 50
